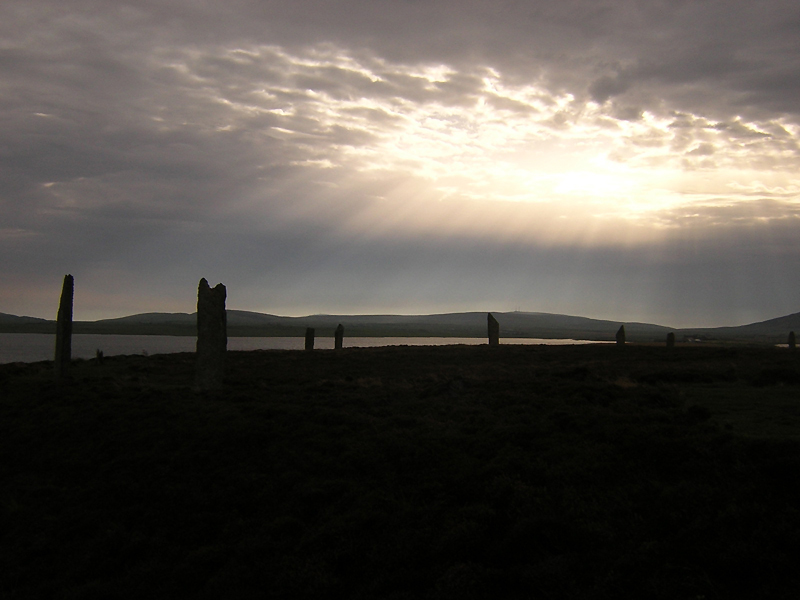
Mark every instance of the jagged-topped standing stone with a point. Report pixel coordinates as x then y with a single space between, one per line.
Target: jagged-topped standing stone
309 338
494 330
64 327
621 335
212 336
792 341
670 339
338 337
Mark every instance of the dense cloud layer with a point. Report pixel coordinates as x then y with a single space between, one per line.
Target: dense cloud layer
629 160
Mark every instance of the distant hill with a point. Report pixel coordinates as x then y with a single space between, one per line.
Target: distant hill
469 324
13 319
770 331
15 324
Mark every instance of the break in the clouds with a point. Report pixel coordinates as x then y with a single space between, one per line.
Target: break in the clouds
627 160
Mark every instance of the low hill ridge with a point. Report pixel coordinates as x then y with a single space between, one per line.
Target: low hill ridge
514 324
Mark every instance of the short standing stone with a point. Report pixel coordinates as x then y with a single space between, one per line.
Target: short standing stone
212 336
670 339
309 338
338 337
792 341
494 330
621 335
64 327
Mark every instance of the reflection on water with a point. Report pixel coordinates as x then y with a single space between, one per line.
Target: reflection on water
32 347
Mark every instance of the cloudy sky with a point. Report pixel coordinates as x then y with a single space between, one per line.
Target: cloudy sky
622 159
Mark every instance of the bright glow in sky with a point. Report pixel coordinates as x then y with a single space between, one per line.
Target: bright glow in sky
615 161
474 137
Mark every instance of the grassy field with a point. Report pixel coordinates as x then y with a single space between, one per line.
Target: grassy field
406 472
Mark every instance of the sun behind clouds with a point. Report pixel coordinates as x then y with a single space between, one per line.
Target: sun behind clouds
473 137
422 156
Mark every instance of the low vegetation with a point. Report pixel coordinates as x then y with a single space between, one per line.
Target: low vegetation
406 472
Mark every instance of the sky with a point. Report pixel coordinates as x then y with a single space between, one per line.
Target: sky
624 160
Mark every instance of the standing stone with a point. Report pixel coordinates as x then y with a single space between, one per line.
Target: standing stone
621 335
212 336
64 327
338 337
494 330
792 341
670 340
309 338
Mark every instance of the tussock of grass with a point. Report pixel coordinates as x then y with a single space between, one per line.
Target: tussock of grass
451 472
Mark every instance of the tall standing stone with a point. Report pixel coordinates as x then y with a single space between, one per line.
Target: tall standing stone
64 327
792 341
670 339
621 335
309 338
212 336
494 330
338 337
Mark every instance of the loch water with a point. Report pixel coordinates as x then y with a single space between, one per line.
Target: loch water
34 347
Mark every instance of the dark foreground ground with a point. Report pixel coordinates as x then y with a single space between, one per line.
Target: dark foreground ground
412 472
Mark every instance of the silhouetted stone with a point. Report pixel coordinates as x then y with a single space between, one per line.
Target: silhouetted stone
494 330
309 338
792 341
670 340
212 336
338 337
621 335
64 327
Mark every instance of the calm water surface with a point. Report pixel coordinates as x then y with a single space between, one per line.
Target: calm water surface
33 347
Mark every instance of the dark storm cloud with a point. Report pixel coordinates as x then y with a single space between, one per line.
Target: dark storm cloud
740 45
605 87
157 141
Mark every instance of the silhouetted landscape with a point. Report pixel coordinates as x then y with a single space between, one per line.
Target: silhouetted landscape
626 161
471 324
592 471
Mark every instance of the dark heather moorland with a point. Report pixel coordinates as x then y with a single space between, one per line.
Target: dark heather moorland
406 472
